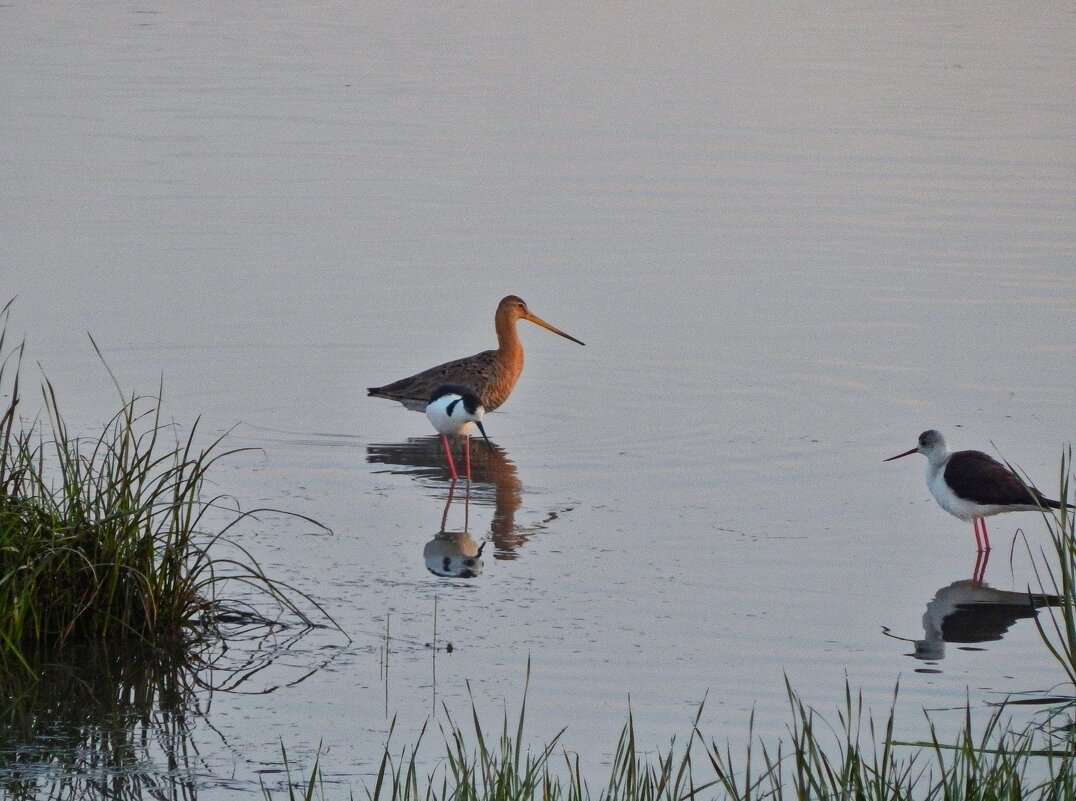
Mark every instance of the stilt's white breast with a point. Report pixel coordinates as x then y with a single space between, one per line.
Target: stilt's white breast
946 498
448 415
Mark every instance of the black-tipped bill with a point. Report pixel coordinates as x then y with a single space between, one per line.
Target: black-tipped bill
483 430
902 455
534 318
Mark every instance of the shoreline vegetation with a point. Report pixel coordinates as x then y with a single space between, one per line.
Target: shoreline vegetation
859 758
110 539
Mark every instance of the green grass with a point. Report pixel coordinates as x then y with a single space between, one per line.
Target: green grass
859 759
108 538
1058 575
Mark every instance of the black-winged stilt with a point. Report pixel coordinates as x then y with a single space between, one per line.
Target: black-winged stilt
456 410
972 485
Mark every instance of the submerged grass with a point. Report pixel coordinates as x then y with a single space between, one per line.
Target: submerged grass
104 539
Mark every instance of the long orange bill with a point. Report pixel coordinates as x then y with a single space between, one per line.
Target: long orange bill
901 455
539 321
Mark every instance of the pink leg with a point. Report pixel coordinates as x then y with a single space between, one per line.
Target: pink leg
467 508
467 444
982 541
448 453
979 573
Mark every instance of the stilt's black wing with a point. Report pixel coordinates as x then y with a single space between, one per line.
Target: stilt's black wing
976 476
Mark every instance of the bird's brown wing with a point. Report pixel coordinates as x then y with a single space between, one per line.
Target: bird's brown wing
979 477
475 372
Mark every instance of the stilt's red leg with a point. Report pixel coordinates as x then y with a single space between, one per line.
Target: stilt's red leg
986 537
448 453
467 508
467 444
978 539
981 558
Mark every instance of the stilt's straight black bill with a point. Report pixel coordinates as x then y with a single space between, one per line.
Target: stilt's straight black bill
901 455
483 430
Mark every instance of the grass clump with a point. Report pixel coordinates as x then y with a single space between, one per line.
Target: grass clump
104 539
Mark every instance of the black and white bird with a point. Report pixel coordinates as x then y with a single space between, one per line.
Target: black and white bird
455 410
972 485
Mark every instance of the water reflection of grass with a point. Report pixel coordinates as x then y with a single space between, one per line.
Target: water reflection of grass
98 721
103 540
858 758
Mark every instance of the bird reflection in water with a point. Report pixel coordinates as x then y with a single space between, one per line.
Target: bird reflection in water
454 554
969 611
495 482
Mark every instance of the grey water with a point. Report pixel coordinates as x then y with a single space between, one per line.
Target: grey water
791 237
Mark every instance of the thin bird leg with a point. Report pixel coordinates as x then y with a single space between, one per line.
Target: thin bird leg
448 503
467 445
979 573
448 453
467 510
986 537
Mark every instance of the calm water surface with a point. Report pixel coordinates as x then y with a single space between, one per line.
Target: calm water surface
792 240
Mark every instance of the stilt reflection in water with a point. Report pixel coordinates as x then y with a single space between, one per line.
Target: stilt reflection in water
454 554
495 482
969 611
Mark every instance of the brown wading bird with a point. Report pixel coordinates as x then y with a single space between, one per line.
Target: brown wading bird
491 374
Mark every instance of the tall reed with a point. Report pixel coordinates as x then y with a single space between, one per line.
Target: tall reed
1058 573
